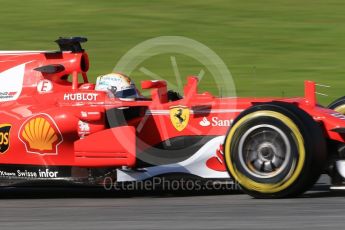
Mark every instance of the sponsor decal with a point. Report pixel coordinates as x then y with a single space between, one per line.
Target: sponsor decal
41 135
204 122
179 116
29 173
80 96
11 83
4 137
113 79
7 96
216 162
215 122
34 172
44 86
84 128
85 114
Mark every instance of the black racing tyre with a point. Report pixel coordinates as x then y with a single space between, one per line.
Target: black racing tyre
275 150
338 105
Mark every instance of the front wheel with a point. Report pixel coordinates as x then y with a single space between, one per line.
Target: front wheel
275 150
338 105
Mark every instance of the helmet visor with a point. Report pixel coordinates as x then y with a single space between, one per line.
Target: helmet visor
127 93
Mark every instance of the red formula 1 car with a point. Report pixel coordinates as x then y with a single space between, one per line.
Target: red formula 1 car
55 127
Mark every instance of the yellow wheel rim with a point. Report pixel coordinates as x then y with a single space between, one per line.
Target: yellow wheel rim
294 171
340 109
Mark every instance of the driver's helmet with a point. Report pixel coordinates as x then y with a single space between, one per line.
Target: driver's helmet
117 85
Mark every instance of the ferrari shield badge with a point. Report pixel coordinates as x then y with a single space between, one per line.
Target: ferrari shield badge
179 116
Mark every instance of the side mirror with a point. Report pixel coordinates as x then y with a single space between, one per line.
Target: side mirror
159 90
153 84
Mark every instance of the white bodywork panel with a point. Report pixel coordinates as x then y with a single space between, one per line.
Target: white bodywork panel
11 83
195 165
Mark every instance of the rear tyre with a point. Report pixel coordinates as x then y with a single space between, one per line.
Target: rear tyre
338 105
275 150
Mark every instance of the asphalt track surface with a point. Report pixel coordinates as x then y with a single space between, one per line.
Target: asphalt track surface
79 208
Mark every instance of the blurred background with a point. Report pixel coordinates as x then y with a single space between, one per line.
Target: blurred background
270 46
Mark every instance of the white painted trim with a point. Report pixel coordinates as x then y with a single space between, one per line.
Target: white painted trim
167 112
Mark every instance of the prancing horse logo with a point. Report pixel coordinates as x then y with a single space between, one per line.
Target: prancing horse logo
179 117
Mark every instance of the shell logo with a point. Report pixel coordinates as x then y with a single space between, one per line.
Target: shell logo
41 135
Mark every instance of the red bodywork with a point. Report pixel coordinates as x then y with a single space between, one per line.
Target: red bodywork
45 121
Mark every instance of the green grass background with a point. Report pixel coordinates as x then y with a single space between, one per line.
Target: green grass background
270 46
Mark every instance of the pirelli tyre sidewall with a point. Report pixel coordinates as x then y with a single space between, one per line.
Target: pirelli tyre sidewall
299 136
338 105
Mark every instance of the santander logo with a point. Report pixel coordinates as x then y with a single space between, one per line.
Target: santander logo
204 122
215 122
217 162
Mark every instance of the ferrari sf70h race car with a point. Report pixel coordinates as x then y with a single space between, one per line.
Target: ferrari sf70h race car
57 126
